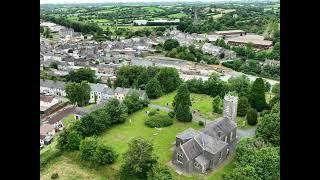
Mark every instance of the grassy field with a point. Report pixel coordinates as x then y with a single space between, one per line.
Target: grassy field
177 16
269 96
152 9
69 166
200 102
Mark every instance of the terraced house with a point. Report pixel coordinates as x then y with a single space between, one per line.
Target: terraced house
201 151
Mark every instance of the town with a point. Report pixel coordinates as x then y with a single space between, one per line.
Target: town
188 98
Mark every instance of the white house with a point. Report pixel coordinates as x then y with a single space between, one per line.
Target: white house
50 87
140 22
47 131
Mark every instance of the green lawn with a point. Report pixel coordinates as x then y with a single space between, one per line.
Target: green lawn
200 102
153 9
269 96
69 166
68 120
90 106
177 15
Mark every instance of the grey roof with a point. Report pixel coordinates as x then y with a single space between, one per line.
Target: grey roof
187 134
52 84
108 91
192 149
121 90
202 160
97 87
210 144
81 111
222 125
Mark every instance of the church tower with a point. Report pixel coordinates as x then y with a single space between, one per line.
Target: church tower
230 106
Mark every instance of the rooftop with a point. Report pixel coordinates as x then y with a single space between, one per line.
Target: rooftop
251 38
44 129
187 134
229 32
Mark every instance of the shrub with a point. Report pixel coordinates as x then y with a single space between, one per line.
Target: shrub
158 109
201 123
153 112
252 117
54 176
159 121
104 155
171 114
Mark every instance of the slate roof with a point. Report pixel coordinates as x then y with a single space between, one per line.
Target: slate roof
97 87
46 128
192 149
202 160
121 90
222 125
108 91
210 144
187 134
42 137
45 98
52 84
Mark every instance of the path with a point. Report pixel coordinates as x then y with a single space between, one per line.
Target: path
163 108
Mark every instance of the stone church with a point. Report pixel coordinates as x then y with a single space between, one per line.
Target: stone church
200 151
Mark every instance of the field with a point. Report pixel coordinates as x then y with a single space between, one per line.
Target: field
69 166
200 102
177 16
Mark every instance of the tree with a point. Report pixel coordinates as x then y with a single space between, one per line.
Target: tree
53 65
274 100
138 160
195 86
217 105
78 92
276 88
169 79
133 102
183 113
269 127
69 140
87 148
109 83
267 86
242 173
104 155
82 74
240 84
169 44
252 117
257 97
116 110
215 86
46 33
153 89
243 106
159 172
182 103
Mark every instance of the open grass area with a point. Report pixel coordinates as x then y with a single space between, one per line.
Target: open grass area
152 9
68 120
90 106
177 16
200 102
269 96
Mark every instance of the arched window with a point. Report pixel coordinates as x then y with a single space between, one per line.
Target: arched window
180 157
197 165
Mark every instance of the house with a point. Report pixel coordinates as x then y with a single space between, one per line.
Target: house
231 33
217 51
140 22
204 150
47 102
50 87
96 93
120 93
42 138
257 41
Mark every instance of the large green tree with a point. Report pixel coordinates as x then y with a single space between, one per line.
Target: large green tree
240 84
269 126
116 110
78 92
243 106
159 172
154 89
215 86
257 97
169 44
182 103
82 74
217 105
138 160
169 79
69 140
88 147
133 102
103 155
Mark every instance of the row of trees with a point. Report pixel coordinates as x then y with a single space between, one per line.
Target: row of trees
253 67
259 157
155 80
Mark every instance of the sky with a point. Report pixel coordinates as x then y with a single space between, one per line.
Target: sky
102 1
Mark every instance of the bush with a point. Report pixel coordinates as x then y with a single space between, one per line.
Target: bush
152 113
201 123
104 155
171 114
159 121
158 109
54 176
252 117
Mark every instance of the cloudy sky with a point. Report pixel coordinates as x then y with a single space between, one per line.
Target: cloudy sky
100 1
